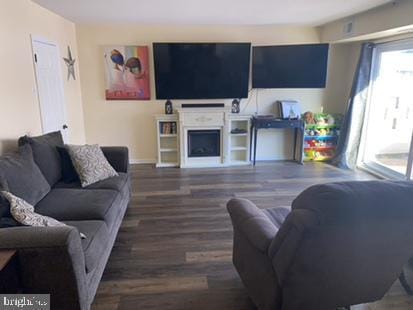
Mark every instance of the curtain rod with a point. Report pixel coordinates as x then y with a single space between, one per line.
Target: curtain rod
397 38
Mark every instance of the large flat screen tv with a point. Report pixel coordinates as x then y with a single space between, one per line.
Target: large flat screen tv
201 70
290 66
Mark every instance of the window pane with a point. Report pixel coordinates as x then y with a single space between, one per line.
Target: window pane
390 118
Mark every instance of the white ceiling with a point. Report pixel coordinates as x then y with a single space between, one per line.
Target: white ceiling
233 12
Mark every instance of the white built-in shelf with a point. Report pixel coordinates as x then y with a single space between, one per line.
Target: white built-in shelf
239 142
171 143
169 150
167 164
239 162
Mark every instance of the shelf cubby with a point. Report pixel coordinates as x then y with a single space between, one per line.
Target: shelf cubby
167 136
239 139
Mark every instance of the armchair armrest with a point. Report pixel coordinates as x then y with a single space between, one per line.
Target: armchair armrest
284 246
51 261
252 223
118 157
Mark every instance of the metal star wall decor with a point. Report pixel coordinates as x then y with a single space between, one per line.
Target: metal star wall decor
70 63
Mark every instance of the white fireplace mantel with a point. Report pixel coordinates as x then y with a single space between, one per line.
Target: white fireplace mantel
203 119
234 147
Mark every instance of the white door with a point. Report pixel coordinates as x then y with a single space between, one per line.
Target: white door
49 80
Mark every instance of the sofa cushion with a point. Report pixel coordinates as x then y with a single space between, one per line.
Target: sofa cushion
23 176
69 173
24 213
6 222
95 243
4 203
90 164
79 204
115 183
45 154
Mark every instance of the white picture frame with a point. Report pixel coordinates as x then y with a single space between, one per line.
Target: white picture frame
290 109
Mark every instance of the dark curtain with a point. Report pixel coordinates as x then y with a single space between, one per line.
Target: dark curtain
350 133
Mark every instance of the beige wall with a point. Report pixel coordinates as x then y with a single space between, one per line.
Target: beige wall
387 20
19 106
131 123
342 65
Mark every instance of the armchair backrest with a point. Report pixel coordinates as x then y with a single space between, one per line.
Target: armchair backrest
343 243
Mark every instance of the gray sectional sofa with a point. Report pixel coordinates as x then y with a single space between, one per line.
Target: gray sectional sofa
55 260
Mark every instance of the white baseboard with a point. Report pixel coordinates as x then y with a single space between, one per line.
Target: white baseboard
142 161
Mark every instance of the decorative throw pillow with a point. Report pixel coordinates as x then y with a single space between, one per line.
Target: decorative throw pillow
46 155
23 176
23 212
69 174
90 163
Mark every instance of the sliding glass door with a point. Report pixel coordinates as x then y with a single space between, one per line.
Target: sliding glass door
388 127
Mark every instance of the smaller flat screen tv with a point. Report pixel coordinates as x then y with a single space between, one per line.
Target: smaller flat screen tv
290 66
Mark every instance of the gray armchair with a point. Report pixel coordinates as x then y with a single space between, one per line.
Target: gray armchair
341 244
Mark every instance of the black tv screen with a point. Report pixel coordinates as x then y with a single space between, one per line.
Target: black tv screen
290 66
201 70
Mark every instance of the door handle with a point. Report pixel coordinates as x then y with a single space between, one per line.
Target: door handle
65 126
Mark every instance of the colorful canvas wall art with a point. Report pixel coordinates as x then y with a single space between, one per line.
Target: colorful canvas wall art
127 73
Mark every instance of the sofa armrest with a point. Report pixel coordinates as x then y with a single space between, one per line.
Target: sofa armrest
118 157
51 261
252 223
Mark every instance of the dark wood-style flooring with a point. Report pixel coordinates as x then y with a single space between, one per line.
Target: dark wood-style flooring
174 248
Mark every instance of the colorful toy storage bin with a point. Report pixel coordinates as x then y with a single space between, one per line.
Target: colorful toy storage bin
321 136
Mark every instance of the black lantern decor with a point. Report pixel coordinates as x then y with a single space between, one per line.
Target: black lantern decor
168 107
235 106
